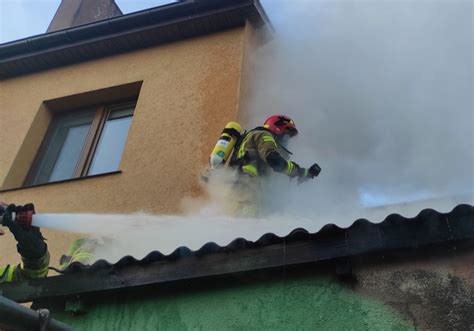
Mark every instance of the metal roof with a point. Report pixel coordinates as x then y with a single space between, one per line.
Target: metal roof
180 20
332 243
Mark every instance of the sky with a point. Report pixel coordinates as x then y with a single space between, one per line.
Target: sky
24 18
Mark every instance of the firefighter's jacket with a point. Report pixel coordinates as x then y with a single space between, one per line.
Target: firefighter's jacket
253 152
27 269
81 250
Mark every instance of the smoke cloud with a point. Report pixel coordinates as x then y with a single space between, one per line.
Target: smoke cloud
381 92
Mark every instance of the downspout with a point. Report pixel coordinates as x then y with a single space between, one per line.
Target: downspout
14 315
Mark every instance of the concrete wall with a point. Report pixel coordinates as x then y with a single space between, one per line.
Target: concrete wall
190 91
434 291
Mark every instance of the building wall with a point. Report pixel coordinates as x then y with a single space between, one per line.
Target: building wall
190 91
419 290
434 291
278 303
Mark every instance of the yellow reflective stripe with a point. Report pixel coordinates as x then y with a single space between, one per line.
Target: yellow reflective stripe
76 245
269 139
11 271
6 274
290 167
241 152
250 169
84 258
2 272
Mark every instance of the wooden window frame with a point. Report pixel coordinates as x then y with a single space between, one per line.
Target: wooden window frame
87 153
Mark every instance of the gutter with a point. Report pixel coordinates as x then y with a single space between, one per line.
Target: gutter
97 29
17 316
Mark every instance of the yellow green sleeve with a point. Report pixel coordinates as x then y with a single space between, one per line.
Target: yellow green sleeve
8 273
35 268
265 144
28 269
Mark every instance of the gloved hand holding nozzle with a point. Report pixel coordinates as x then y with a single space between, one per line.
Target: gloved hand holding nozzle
31 243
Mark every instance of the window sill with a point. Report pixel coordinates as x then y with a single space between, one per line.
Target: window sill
61 181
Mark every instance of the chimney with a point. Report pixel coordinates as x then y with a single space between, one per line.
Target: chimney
78 12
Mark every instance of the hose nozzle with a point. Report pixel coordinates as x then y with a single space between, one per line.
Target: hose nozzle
23 218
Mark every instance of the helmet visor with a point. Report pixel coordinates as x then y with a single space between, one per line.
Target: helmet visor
288 126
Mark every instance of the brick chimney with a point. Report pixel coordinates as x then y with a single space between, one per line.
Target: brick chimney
77 12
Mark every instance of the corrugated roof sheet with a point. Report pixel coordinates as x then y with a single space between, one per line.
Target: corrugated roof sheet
363 236
429 228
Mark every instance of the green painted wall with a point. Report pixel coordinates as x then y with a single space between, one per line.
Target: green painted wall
302 303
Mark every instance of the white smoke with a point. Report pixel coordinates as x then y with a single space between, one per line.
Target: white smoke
381 92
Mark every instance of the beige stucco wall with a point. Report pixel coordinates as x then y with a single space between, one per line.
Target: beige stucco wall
190 90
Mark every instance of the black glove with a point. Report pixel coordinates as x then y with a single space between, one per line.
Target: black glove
31 243
314 170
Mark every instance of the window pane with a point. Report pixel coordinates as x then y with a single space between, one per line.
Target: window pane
109 150
69 155
62 150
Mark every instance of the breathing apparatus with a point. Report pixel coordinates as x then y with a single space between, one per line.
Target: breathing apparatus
225 145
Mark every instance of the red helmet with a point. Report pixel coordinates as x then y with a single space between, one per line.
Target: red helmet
280 125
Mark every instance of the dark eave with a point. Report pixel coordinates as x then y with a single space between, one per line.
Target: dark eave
180 20
429 229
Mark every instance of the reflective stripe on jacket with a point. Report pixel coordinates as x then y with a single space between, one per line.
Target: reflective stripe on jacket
253 153
81 250
28 269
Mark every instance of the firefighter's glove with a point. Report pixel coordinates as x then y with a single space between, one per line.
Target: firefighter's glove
314 170
31 243
12 208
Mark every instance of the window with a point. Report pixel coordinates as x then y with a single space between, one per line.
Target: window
85 142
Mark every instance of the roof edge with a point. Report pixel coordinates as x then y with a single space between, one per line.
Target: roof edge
136 30
428 230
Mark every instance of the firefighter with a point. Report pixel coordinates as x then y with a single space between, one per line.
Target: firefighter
31 246
81 250
262 150
34 251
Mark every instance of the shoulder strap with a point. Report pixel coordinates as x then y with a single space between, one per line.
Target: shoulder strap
234 161
284 148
